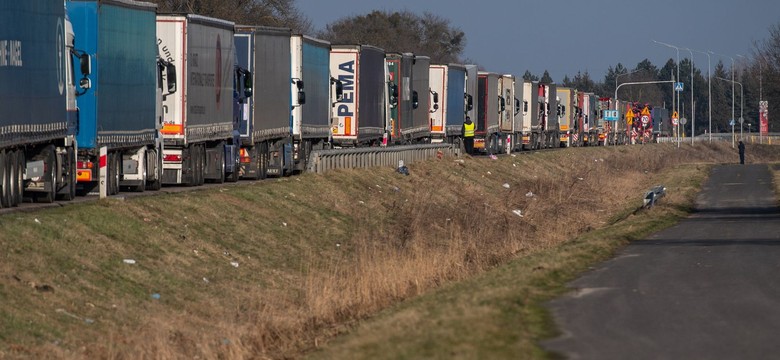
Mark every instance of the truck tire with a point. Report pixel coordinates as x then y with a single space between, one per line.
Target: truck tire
68 176
50 175
154 158
262 160
5 180
18 162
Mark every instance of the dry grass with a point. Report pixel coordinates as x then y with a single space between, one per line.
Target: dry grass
315 253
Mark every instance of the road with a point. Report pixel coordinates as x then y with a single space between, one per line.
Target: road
707 288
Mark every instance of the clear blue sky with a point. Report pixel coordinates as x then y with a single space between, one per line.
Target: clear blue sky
563 37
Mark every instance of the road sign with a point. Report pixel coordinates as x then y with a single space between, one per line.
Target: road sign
741 120
611 115
678 86
675 118
732 122
683 121
645 120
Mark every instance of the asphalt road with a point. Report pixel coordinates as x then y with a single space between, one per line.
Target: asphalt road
707 288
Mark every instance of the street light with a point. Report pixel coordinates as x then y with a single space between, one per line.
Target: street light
709 86
732 87
678 72
628 73
693 110
741 106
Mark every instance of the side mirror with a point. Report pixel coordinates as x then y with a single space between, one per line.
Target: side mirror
469 102
525 107
435 97
339 89
301 97
85 63
501 104
299 84
393 95
170 75
248 84
415 100
517 106
85 83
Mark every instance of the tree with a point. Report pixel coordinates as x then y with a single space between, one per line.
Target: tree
767 67
530 77
277 13
546 79
403 31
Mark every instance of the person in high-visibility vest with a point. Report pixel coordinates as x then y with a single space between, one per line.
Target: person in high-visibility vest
468 135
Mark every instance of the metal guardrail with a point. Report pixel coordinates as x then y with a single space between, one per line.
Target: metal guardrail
321 161
748 138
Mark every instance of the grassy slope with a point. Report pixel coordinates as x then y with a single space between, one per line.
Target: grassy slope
316 254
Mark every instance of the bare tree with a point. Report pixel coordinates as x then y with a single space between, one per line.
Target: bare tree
278 13
404 31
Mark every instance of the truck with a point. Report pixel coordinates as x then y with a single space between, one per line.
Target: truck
198 119
39 118
589 116
448 84
521 108
120 112
399 90
359 118
472 92
419 130
508 105
486 134
565 113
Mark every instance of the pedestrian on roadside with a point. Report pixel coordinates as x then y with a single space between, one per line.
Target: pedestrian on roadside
741 148
468 135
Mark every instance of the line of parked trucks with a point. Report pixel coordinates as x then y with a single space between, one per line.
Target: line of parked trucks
183 99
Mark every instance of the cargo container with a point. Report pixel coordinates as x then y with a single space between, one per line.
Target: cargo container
662 123
549 120
419 130
509 107
359 118
120 111
531 107
448 108
472 92
266 128
399 93
589 116
521 108
565 113
198 130
486 138
38 114
311 109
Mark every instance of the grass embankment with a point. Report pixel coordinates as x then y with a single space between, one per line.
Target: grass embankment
276 269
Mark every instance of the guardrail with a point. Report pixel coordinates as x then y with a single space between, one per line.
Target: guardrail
321 161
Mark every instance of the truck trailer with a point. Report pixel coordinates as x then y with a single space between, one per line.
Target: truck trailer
486 134
448 82
399 93
198 131
508 106
359 118
565 113
120 111
38 114
419 130
310 114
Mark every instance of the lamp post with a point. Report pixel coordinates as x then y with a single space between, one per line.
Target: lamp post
742 105
644 83
628 73
678 72
732 87
709 86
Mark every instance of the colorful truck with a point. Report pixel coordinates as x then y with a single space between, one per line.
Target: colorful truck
448 86
486 135
399 90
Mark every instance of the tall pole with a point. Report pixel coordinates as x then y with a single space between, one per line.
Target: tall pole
732 90
709 90
678 73
693 109
742 99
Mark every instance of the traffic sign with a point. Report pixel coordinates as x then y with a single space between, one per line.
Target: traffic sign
732 122
674 121
645 120
741 120
678 86
611 115
675 118
683 121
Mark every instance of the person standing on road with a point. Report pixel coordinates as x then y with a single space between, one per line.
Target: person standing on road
741 148
468 135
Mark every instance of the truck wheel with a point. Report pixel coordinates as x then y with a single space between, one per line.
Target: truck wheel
5 180
69 176
154 159
18 162
50 174
262 160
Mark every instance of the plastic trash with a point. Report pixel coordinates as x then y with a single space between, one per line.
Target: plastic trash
234 264
128 261
156 296
518 212
529 194
506 186
493 157
403 170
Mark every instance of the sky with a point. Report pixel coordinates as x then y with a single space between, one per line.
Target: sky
565 37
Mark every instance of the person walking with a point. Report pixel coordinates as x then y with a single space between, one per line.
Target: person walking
468 135
741 148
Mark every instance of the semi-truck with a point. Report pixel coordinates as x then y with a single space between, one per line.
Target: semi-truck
198 129
565 113
399 93
39 118
310 114
486 134
419 130
120 112
508 107
448 82
359 118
